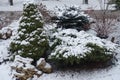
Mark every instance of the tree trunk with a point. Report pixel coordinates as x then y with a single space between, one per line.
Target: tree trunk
11 2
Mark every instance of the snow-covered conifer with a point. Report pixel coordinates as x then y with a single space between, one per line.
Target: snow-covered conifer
31 40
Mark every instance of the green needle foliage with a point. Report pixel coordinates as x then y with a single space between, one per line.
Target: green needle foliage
31 41
72 17
117 2
97 54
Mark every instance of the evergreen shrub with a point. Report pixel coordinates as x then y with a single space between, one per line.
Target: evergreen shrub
31 40
73 17
98 56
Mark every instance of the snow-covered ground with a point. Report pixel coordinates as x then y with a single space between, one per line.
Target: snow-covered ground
5 72
111 73
102 74
4 44
5 6
92 4
5 69
51 4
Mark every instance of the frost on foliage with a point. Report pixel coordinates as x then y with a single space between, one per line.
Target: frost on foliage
73 17
73 43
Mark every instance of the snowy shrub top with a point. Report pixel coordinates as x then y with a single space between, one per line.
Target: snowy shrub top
72 17
33 13
73 11
29 2
73 43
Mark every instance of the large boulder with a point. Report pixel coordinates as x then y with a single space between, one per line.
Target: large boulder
24 69
44 66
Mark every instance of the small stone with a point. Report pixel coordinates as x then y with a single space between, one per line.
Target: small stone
41 63
47 68
44 66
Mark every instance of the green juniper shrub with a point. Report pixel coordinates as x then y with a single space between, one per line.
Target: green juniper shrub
72 18
70 61
31 40
56 42
97 55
